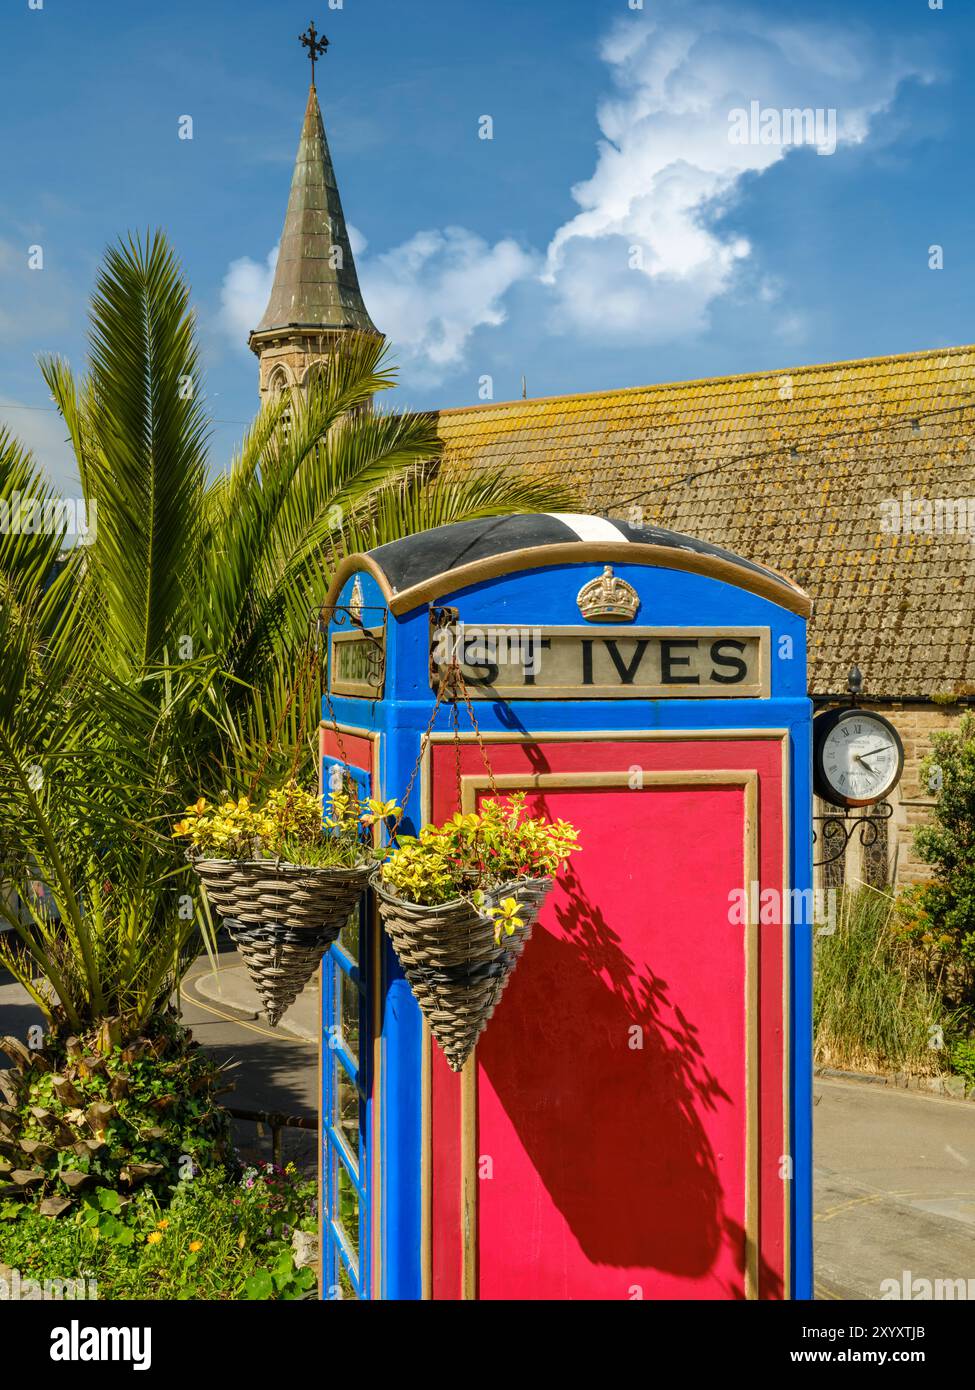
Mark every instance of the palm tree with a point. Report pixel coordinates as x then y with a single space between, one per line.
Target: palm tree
162 661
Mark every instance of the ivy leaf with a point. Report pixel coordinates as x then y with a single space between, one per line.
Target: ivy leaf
258 1286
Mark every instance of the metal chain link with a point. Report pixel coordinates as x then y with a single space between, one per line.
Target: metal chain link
477 733
453 677
444 682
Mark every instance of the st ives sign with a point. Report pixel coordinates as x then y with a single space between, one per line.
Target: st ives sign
610 663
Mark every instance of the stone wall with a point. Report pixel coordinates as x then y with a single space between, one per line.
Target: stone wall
912 800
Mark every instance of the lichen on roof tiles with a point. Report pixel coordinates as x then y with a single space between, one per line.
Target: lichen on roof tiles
709 458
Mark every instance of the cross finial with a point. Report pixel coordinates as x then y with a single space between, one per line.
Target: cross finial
317 47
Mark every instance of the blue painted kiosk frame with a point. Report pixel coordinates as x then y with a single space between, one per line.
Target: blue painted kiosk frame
499 580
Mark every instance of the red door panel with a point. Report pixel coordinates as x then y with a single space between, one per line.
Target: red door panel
612 1097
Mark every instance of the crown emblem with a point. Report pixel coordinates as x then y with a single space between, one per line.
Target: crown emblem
608 599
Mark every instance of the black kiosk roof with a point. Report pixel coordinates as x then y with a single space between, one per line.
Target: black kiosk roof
420 568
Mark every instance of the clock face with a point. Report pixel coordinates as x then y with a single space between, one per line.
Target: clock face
859 758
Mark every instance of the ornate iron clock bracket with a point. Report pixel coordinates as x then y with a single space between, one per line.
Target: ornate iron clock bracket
839 830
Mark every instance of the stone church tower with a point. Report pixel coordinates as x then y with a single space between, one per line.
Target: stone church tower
315 299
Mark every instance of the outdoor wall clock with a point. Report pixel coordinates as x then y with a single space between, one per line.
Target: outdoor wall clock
858 757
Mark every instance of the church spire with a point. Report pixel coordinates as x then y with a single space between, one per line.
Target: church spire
315 296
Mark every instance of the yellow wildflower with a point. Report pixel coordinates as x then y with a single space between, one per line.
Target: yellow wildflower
153 1237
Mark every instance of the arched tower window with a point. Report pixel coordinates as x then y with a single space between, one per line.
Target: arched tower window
277 384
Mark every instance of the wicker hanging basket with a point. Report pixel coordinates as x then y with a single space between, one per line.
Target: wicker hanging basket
281 917
449 955
279 961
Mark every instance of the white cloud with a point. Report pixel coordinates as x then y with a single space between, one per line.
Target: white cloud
647 254
244 294
430 294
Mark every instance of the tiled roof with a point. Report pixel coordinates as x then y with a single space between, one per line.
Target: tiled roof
789 469
309 291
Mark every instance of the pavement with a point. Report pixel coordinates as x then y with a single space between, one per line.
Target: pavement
894 1189
229 987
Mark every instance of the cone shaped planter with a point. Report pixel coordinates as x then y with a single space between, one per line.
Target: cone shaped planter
281 917
456 969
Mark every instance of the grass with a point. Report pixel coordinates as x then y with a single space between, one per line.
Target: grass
875 1008
216 1239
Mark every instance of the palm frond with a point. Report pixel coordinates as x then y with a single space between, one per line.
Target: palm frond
139 430
420 502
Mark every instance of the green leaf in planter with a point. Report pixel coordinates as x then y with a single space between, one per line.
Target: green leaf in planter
259 1285
107 1199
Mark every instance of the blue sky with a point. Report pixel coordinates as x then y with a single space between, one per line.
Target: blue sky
612 233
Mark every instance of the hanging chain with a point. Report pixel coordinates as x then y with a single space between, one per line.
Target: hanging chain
300 686
477 733
455 720
451 679
444 682
306 691
328 703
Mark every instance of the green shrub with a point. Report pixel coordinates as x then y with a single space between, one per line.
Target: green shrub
85 1112
963 1059
875 1007
216 1237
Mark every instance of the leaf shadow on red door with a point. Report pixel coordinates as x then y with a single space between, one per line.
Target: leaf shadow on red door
613 1128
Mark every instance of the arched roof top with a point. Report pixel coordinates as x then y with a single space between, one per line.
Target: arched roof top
420 568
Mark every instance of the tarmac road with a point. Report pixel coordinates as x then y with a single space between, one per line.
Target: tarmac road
895 1189
273 1069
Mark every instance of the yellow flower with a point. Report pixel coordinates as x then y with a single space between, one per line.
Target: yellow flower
200 806
153 1237
196 1245
161 1225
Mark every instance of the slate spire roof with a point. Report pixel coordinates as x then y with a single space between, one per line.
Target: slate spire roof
310 291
